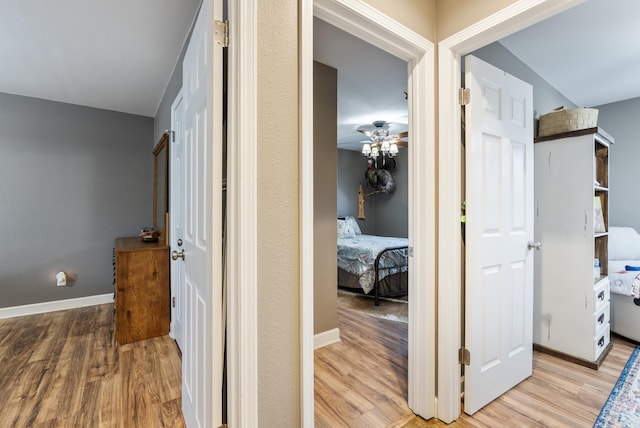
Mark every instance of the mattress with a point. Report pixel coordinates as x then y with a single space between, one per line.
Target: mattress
357 256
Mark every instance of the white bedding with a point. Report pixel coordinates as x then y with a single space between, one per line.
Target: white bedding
357 255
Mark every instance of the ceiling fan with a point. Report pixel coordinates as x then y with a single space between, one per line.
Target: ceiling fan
383 142
381 152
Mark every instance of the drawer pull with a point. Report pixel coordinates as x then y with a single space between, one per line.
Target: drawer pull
601 319
601 295
601 341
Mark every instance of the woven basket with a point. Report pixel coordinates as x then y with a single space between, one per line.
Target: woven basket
560 121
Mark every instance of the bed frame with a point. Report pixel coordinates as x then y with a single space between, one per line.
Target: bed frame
392 285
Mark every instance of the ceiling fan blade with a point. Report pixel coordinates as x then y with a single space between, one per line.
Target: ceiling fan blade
400 135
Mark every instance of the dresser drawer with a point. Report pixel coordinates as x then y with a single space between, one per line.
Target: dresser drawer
601 294
601 341
601 317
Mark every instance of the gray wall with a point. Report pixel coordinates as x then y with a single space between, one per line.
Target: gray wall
325 111
545 97
386 214
74 179
162 120
620 120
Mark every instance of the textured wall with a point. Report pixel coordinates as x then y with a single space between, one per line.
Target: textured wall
418 15
278 215
455 15
74 179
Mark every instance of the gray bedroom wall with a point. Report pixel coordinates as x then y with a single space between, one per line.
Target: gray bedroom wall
620 120
392 210
351 167
545 97
386 215
74 179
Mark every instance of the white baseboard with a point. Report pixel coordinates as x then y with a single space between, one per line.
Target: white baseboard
57 305
326 338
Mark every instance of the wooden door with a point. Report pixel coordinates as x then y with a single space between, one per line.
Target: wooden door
499 262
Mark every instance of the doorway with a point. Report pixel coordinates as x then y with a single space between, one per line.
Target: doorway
355 86
511 19
377 29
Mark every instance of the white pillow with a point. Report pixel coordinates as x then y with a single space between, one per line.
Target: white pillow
345 230
354 224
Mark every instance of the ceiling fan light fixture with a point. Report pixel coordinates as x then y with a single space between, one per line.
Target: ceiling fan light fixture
384 146
393 149
366 149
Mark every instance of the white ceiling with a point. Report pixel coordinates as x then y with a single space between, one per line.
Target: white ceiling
116 54
589 53
119 55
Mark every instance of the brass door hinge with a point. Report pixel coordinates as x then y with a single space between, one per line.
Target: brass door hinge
464 356
464 96
221 33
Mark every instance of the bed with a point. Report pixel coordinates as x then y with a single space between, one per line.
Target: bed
624 255
370 263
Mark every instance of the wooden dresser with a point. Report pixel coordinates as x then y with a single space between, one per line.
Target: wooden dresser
141 276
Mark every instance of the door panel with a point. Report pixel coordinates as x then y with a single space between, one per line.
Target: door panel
176 198
499 208
202 92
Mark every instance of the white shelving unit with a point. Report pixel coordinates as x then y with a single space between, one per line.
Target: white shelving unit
571 305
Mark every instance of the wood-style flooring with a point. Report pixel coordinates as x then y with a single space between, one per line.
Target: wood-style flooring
63 369
362 382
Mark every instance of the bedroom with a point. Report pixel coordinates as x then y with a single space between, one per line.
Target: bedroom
552 103
344 101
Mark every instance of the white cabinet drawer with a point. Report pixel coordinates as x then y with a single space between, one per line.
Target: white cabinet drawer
601 317
601 293
600 342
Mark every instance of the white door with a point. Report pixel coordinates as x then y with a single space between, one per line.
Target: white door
202 99
177 208
499 209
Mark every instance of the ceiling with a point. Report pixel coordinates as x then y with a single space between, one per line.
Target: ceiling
115 55
589 53
119 55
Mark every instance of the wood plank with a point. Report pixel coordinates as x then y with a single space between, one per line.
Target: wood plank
558 394
65 369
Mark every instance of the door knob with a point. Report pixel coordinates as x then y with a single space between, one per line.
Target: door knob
531 245
177 255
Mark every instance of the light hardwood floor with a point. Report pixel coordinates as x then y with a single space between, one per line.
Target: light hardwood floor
362 382
63 369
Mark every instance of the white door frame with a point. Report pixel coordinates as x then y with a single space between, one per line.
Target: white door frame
369 24
242 225
515 17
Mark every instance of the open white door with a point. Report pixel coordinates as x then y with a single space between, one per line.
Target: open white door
499 209
201 253
176 201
